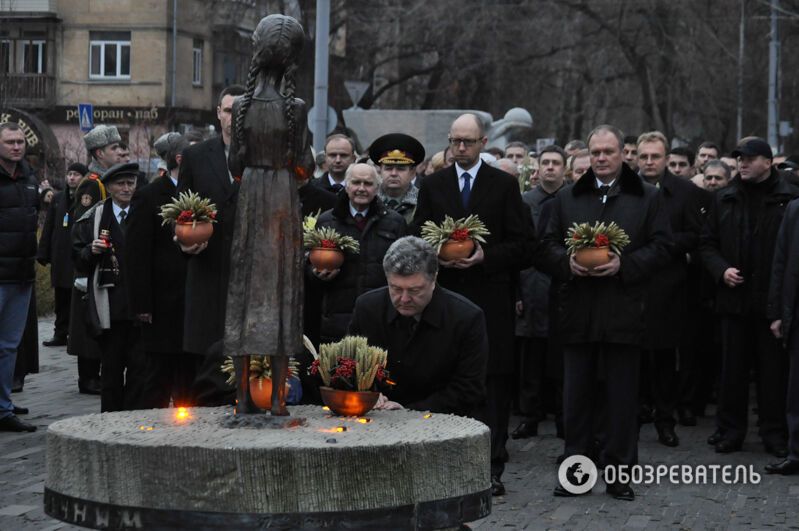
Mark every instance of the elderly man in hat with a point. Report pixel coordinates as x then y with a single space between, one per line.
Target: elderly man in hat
103 145
738 250
397 156
99 239
55 248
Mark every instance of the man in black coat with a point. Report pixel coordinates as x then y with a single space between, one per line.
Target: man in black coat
540 367
598 316
738 250
435 339
360 214
783 296
98 244
19 202
157 288
487 277
204 170
55 248
666 305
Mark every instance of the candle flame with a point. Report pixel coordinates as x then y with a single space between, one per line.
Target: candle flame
427 416
182 413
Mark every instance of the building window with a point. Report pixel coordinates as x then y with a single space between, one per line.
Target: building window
34 57
197 61
109 55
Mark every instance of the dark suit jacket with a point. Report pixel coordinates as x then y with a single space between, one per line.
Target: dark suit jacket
496 199
204 171
323 182
441 365
157 269
667 298
55 244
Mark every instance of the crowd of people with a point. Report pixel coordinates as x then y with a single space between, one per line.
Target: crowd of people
697 305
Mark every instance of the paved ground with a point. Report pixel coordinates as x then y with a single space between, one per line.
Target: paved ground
530 476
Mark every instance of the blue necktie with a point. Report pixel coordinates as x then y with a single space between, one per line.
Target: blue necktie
467 189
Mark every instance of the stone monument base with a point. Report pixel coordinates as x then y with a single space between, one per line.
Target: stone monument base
155 469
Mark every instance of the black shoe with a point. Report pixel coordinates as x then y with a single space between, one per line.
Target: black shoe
784 468
667 436
497 488
525 430
561 492
728 446
620 491
716 438
92 387
56 341
12 423
17 385
20 410
776 448
686 418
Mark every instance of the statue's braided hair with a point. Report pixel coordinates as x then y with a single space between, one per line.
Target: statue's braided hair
278 40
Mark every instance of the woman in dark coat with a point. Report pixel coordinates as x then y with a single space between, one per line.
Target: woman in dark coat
81 343
270 144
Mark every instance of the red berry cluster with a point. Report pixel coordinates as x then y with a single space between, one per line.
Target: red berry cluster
601 241
381 374
460 235
345 368
186 216
328 244
212 214
314 368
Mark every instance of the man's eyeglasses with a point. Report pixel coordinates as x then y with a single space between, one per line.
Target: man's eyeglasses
468 142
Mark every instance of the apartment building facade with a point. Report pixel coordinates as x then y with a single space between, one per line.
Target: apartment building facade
145 66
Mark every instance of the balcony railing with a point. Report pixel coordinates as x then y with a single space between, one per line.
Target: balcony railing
28 6
27 90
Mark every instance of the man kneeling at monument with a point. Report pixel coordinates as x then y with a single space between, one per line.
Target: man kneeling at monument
436 339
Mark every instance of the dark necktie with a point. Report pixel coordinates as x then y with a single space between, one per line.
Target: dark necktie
603 192
409 325
336 188
392 204
467 189
360 221
123 217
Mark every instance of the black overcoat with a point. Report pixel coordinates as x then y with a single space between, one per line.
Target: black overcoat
497 201
607 309
157 269
667 297
725 243
360 272
204 170
784 289
440 366
55 243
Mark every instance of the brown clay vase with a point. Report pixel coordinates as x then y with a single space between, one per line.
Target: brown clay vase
454 249
349 403
328 259
193 233
591 257
261 392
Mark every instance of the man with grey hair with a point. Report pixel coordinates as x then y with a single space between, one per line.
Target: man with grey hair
360 214
436 339
598 314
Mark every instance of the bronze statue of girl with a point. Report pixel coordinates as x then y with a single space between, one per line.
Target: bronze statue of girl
269 155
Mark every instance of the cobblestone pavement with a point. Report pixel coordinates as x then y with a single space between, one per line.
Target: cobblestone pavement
529 478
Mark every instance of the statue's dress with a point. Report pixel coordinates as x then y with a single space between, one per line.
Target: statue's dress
265 294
